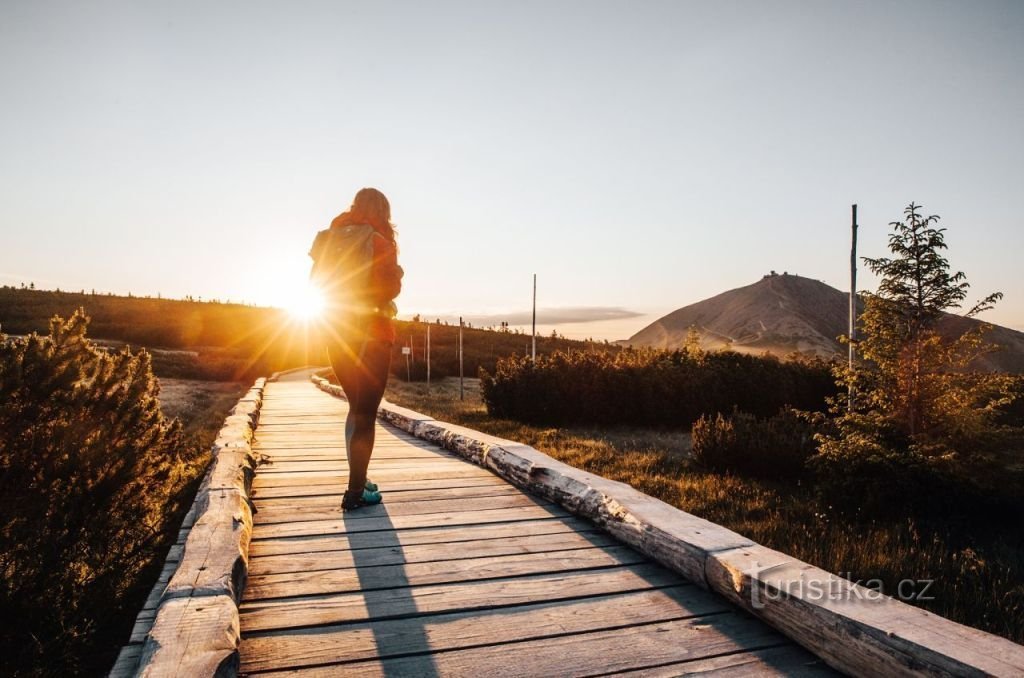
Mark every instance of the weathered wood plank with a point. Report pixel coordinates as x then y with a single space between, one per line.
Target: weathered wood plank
354 525
377 464
327 478
395 495
143 623
786 660
417 574
437 633
379 604
422 553
589 654
428 484
425 535
323 511
127 662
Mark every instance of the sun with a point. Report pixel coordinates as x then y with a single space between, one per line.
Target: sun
307 303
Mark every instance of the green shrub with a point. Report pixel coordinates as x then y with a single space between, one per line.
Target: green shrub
776 447
649 387
89 472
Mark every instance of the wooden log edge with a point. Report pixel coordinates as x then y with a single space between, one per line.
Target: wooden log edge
857 631
195 628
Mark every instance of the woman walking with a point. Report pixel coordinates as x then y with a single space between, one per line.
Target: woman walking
355 263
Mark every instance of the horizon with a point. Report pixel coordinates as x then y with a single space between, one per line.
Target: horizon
561 320
636 160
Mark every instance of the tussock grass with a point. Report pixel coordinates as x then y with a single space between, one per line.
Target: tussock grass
977 569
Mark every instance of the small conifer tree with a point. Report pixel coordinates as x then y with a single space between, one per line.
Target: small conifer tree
89 470
916 392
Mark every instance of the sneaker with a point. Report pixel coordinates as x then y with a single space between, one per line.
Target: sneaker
352 502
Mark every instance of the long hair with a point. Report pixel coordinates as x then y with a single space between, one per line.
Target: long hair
369 207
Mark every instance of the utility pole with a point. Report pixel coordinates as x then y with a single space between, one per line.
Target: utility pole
462 388
533 350
853 296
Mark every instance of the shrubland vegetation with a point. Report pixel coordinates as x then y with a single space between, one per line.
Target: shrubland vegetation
94 481
649 387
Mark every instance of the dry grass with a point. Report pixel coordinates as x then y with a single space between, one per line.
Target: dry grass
978 570
200 405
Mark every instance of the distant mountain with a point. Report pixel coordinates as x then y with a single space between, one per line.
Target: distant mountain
785 314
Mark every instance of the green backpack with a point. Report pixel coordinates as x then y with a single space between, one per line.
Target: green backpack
342 261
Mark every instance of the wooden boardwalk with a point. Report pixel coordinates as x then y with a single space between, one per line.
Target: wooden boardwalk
458 573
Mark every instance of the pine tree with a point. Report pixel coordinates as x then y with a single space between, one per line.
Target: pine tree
915 391
89 470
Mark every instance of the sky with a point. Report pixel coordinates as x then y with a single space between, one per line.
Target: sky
636 156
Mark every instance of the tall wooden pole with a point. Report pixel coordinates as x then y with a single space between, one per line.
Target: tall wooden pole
533 350
853 295
428 356
462 388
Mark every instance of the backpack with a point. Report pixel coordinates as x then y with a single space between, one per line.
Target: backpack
342 262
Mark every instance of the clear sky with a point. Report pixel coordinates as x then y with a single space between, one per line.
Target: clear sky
637 156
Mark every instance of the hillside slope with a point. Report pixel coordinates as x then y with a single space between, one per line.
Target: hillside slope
783 314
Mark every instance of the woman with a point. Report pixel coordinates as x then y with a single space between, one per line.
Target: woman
355 262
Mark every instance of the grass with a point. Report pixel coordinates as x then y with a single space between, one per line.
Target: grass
977 570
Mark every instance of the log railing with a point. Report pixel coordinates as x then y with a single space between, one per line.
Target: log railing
189 625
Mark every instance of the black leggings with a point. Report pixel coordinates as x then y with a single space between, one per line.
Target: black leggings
362 370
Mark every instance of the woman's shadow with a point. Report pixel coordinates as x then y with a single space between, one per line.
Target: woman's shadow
369 531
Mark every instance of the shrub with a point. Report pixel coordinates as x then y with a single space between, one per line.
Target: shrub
776 447
648 387
89 470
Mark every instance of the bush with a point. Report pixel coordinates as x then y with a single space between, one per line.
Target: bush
89 472
648 387
777 447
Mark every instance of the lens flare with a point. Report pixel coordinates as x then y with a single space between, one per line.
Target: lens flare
308 304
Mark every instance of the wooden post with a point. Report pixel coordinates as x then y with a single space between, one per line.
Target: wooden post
533 350
462 388
853 297
428 356
408 366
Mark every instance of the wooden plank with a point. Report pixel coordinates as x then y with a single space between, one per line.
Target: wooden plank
127 662
275 514
588 654
428 535
143 623
285 479
422 553
376 465
294 491
452 518
416 574
393 495
785 660
437 633
338 454
262 615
